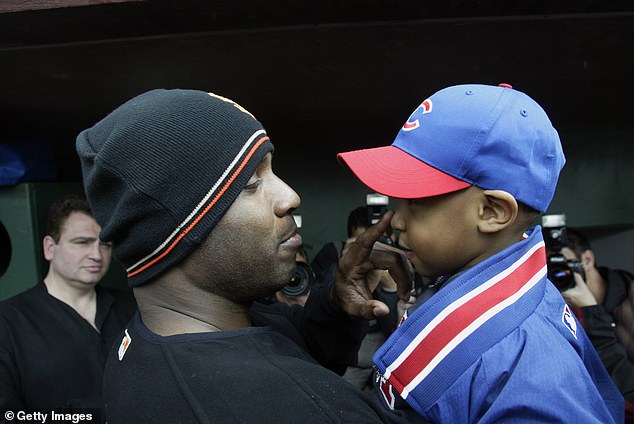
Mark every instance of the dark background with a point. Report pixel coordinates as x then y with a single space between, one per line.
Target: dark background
329 76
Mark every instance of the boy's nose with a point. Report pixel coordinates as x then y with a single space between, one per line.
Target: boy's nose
397 221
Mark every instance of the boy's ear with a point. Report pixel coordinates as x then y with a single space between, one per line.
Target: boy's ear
498 209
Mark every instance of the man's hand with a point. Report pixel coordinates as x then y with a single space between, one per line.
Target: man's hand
360 271
579 295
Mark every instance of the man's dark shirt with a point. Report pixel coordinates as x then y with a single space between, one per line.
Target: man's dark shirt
50 356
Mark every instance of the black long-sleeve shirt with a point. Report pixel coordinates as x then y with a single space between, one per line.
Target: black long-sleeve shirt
50 356
599 322
599 326
272 372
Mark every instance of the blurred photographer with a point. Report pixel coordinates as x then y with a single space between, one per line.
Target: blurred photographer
603 305
330 252
359 220
376 205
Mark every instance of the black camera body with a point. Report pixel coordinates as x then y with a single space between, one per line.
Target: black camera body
560 270
376 205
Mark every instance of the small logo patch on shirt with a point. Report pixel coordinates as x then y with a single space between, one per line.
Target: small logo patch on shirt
386 390
125 344
569 321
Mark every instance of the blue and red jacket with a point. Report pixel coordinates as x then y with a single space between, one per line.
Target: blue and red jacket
496 344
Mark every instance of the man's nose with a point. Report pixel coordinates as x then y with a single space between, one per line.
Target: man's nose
287 199
96 253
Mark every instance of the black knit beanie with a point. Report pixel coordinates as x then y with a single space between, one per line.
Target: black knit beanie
162 169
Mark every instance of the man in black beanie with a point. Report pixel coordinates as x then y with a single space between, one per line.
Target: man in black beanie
181 182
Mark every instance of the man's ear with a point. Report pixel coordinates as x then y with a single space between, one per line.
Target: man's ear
587 259
48 247
498 209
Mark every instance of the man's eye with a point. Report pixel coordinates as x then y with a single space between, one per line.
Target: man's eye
252 185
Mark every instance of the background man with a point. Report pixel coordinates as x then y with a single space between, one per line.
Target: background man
54 338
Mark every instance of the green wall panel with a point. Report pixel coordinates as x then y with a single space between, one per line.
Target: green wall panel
596 187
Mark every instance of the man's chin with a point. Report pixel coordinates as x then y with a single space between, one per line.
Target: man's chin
284 278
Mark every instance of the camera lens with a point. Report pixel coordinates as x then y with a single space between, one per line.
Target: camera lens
301 281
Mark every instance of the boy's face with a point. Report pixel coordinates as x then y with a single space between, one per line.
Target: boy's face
440 234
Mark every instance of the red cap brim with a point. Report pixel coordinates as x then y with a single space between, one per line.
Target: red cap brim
390 171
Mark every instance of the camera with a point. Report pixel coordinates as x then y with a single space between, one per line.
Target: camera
560 270
303 277
376 205
302 280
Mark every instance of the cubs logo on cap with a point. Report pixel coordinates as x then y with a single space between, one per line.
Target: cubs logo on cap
425 108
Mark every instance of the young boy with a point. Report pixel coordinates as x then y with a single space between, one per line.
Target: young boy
472 168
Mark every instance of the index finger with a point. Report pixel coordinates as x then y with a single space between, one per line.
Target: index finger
372 234
360 250
400 268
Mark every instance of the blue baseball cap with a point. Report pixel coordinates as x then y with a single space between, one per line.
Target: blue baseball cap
493 137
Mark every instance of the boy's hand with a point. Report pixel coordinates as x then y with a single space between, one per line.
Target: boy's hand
360 271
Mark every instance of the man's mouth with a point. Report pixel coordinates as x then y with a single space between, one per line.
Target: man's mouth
293 241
